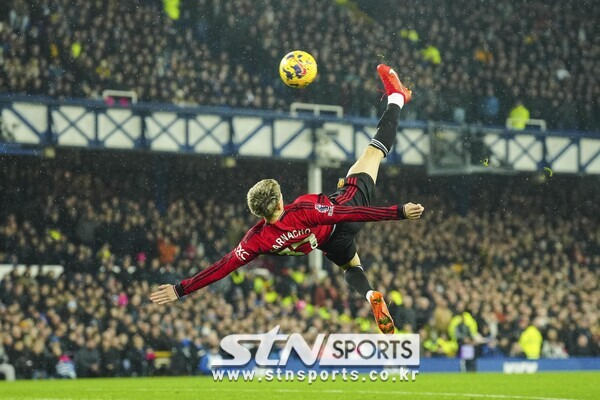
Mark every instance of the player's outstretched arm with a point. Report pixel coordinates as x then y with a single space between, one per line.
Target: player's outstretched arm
219 270
323 214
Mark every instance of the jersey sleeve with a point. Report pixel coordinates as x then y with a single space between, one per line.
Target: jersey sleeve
329 214
245 252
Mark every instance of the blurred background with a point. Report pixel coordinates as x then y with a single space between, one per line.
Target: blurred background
130 132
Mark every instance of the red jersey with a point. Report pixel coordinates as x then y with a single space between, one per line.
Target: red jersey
303 226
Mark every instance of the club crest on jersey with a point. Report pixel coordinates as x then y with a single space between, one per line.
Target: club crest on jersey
340 183
325 209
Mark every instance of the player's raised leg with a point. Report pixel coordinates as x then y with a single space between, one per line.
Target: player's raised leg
381 144
356 278
368 162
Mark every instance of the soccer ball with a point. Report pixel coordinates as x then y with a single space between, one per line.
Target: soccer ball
298 69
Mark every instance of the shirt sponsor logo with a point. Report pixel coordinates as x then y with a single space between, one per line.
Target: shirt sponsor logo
324 209
240 253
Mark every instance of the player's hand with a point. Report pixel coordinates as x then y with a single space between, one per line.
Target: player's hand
165 294
413 211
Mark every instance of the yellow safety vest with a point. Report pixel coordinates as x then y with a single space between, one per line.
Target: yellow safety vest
518 117
531 342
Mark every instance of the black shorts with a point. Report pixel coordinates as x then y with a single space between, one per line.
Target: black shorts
353 190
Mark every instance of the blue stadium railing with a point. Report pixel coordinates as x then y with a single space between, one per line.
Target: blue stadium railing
29 123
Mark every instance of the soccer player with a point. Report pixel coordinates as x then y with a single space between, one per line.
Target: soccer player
316 221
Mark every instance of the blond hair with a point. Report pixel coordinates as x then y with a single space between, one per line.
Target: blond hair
263 198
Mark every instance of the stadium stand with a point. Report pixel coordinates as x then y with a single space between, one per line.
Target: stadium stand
472 68
509 281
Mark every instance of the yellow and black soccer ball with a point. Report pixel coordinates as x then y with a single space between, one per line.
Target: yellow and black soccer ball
298 69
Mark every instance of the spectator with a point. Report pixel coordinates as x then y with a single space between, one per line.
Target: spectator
87 359
462 333
37 360
566 112
404 313
110 357
530 340
138 362
518 117
210 356
432 55
490 107
167 250
583 347
185 357
552 348
65 368
6 369
488 346
19 16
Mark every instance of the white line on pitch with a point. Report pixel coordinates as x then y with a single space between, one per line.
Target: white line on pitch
415 393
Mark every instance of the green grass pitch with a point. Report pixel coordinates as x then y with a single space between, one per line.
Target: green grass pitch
482 386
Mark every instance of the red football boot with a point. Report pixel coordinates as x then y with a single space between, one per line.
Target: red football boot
392 83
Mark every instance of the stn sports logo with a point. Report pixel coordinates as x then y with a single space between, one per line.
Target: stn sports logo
375 350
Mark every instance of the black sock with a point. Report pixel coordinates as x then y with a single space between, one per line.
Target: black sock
356 278
386 130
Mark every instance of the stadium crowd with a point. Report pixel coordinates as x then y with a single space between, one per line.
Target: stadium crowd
515 276
467 60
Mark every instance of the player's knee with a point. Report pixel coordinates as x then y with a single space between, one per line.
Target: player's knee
354 262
